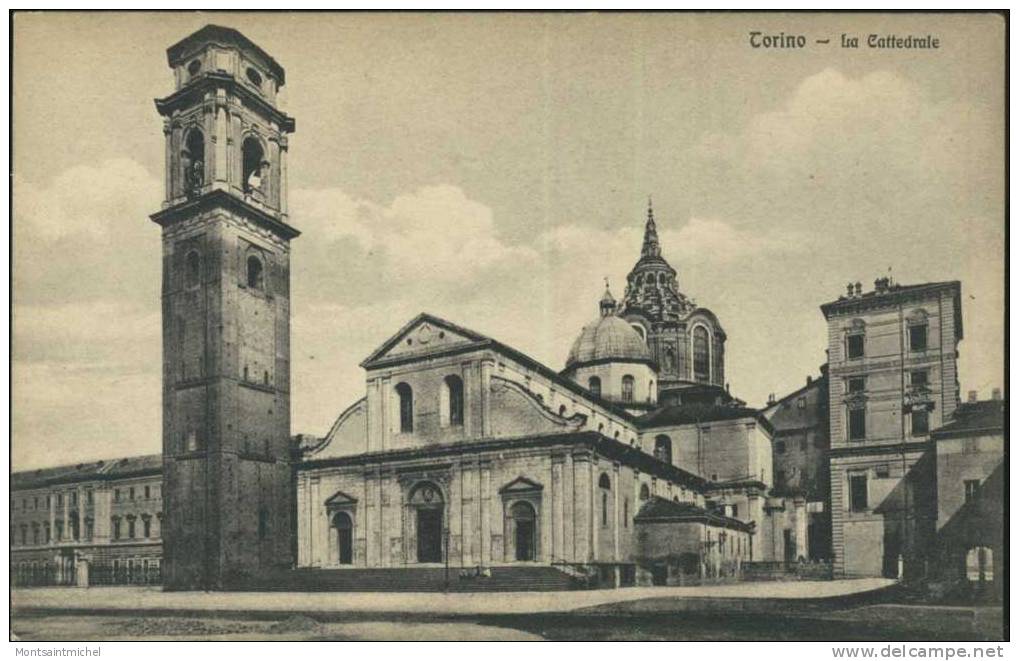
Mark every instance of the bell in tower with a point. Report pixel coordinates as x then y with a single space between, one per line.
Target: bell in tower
226 315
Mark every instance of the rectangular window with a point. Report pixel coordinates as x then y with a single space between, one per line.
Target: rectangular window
803 444
116 529
780 447
116 495
801 403
148 493
858 492
918 337
130 528
918 378
972 490
857 384
920 422
881 471
147 527
854 346
857 424
735 511
130 493
780 478
74 498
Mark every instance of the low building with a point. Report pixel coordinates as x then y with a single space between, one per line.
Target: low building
969 557
800 455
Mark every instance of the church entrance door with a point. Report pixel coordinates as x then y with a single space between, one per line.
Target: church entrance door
524 519
344 537
429 521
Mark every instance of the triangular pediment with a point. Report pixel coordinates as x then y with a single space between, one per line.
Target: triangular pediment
425 334
339 498
521 484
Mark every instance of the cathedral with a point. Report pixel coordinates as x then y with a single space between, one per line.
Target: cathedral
633 464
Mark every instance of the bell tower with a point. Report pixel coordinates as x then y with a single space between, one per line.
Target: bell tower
227 483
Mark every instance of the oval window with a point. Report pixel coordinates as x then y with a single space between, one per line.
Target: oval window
194 67
254 77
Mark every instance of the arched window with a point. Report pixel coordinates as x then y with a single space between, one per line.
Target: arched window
980 564
254 165
645 492
640 331
406 396
344 526
627 388
663 448
701 355
192 269
256 276
193 161
606 486
453 404
594 385
562 410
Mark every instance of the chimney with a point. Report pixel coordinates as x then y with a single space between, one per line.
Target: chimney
771 398
809 380
859 288
881 285
971 396
849 290
996 394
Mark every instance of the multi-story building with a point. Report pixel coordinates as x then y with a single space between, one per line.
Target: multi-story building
108 514
892 379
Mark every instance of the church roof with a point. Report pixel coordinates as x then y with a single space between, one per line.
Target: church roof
651 288
608 338
686 414
662 510
474 341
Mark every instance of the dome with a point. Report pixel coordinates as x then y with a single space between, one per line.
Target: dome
608 338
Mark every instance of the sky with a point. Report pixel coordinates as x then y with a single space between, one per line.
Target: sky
493 169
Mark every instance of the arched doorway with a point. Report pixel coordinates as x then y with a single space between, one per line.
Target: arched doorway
426 500
525 534
344 537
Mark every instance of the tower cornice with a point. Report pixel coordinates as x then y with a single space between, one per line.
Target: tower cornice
213 80
222 199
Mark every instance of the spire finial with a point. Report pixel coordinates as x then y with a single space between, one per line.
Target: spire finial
650 247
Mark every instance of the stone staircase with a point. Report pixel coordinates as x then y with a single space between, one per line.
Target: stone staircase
418 579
